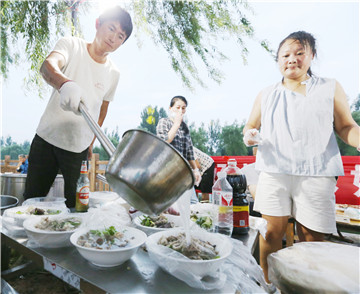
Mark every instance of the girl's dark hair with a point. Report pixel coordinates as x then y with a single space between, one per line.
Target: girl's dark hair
121 15
174 99
305 39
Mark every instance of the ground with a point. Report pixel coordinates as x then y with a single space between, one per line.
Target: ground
39 282
34 281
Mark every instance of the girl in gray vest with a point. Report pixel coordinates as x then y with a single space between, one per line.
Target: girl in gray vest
298 155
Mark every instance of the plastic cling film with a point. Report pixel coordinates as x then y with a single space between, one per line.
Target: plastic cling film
316 267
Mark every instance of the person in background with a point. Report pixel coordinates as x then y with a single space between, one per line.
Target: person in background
77 71
206 166
23 164
298 155
174 130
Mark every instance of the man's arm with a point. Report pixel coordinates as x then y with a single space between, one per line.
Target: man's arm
51 70
70 92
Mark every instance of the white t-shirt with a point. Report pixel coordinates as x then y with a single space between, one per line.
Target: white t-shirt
64 129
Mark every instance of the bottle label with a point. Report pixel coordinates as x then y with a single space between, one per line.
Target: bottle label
84 195
226 198
83 168
241 216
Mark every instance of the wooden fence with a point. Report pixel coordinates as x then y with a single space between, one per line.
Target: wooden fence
95 167
8 165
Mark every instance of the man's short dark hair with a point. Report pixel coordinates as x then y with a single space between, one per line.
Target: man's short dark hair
121 15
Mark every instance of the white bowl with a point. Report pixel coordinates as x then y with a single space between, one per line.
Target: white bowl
110 258
21 213
203 210
151 230
11 229
174 262
49 239
99 198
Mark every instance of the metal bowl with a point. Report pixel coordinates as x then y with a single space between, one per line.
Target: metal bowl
14 184
7 202
147 172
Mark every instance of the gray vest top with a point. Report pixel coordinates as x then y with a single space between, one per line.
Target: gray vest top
297 131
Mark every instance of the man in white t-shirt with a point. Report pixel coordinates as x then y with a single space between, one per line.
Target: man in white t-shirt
77 70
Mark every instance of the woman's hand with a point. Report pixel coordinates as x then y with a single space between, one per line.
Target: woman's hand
197 176
252 137
178 118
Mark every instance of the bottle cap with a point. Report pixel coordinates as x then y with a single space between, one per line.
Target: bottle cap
232 161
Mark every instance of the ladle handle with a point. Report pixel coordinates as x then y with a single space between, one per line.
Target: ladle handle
101 178
94 126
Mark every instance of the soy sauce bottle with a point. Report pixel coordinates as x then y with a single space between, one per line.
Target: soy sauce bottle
240 214
240 204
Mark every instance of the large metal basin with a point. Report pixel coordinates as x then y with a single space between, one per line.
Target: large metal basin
14 184
147 172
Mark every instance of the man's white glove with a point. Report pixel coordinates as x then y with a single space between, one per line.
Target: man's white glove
252 137
197 176
70 94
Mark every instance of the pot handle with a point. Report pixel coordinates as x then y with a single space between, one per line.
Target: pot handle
94 126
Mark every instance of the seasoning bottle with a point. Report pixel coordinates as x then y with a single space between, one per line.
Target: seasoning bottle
231 168
240 204
82 189
240 213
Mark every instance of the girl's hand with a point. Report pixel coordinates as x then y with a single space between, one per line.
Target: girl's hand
252 137
178 118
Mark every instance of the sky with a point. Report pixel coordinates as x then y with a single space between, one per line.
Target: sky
148 79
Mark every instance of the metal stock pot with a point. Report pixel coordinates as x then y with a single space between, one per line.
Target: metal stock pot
146 171
14 184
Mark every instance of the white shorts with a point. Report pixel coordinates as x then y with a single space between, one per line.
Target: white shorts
310 200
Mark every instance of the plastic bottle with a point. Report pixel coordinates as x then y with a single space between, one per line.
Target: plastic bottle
240 204
231 168
82 189
222 194
240 214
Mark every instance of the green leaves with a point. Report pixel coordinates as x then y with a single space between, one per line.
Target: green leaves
150 117
219 140
27 30
189 30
